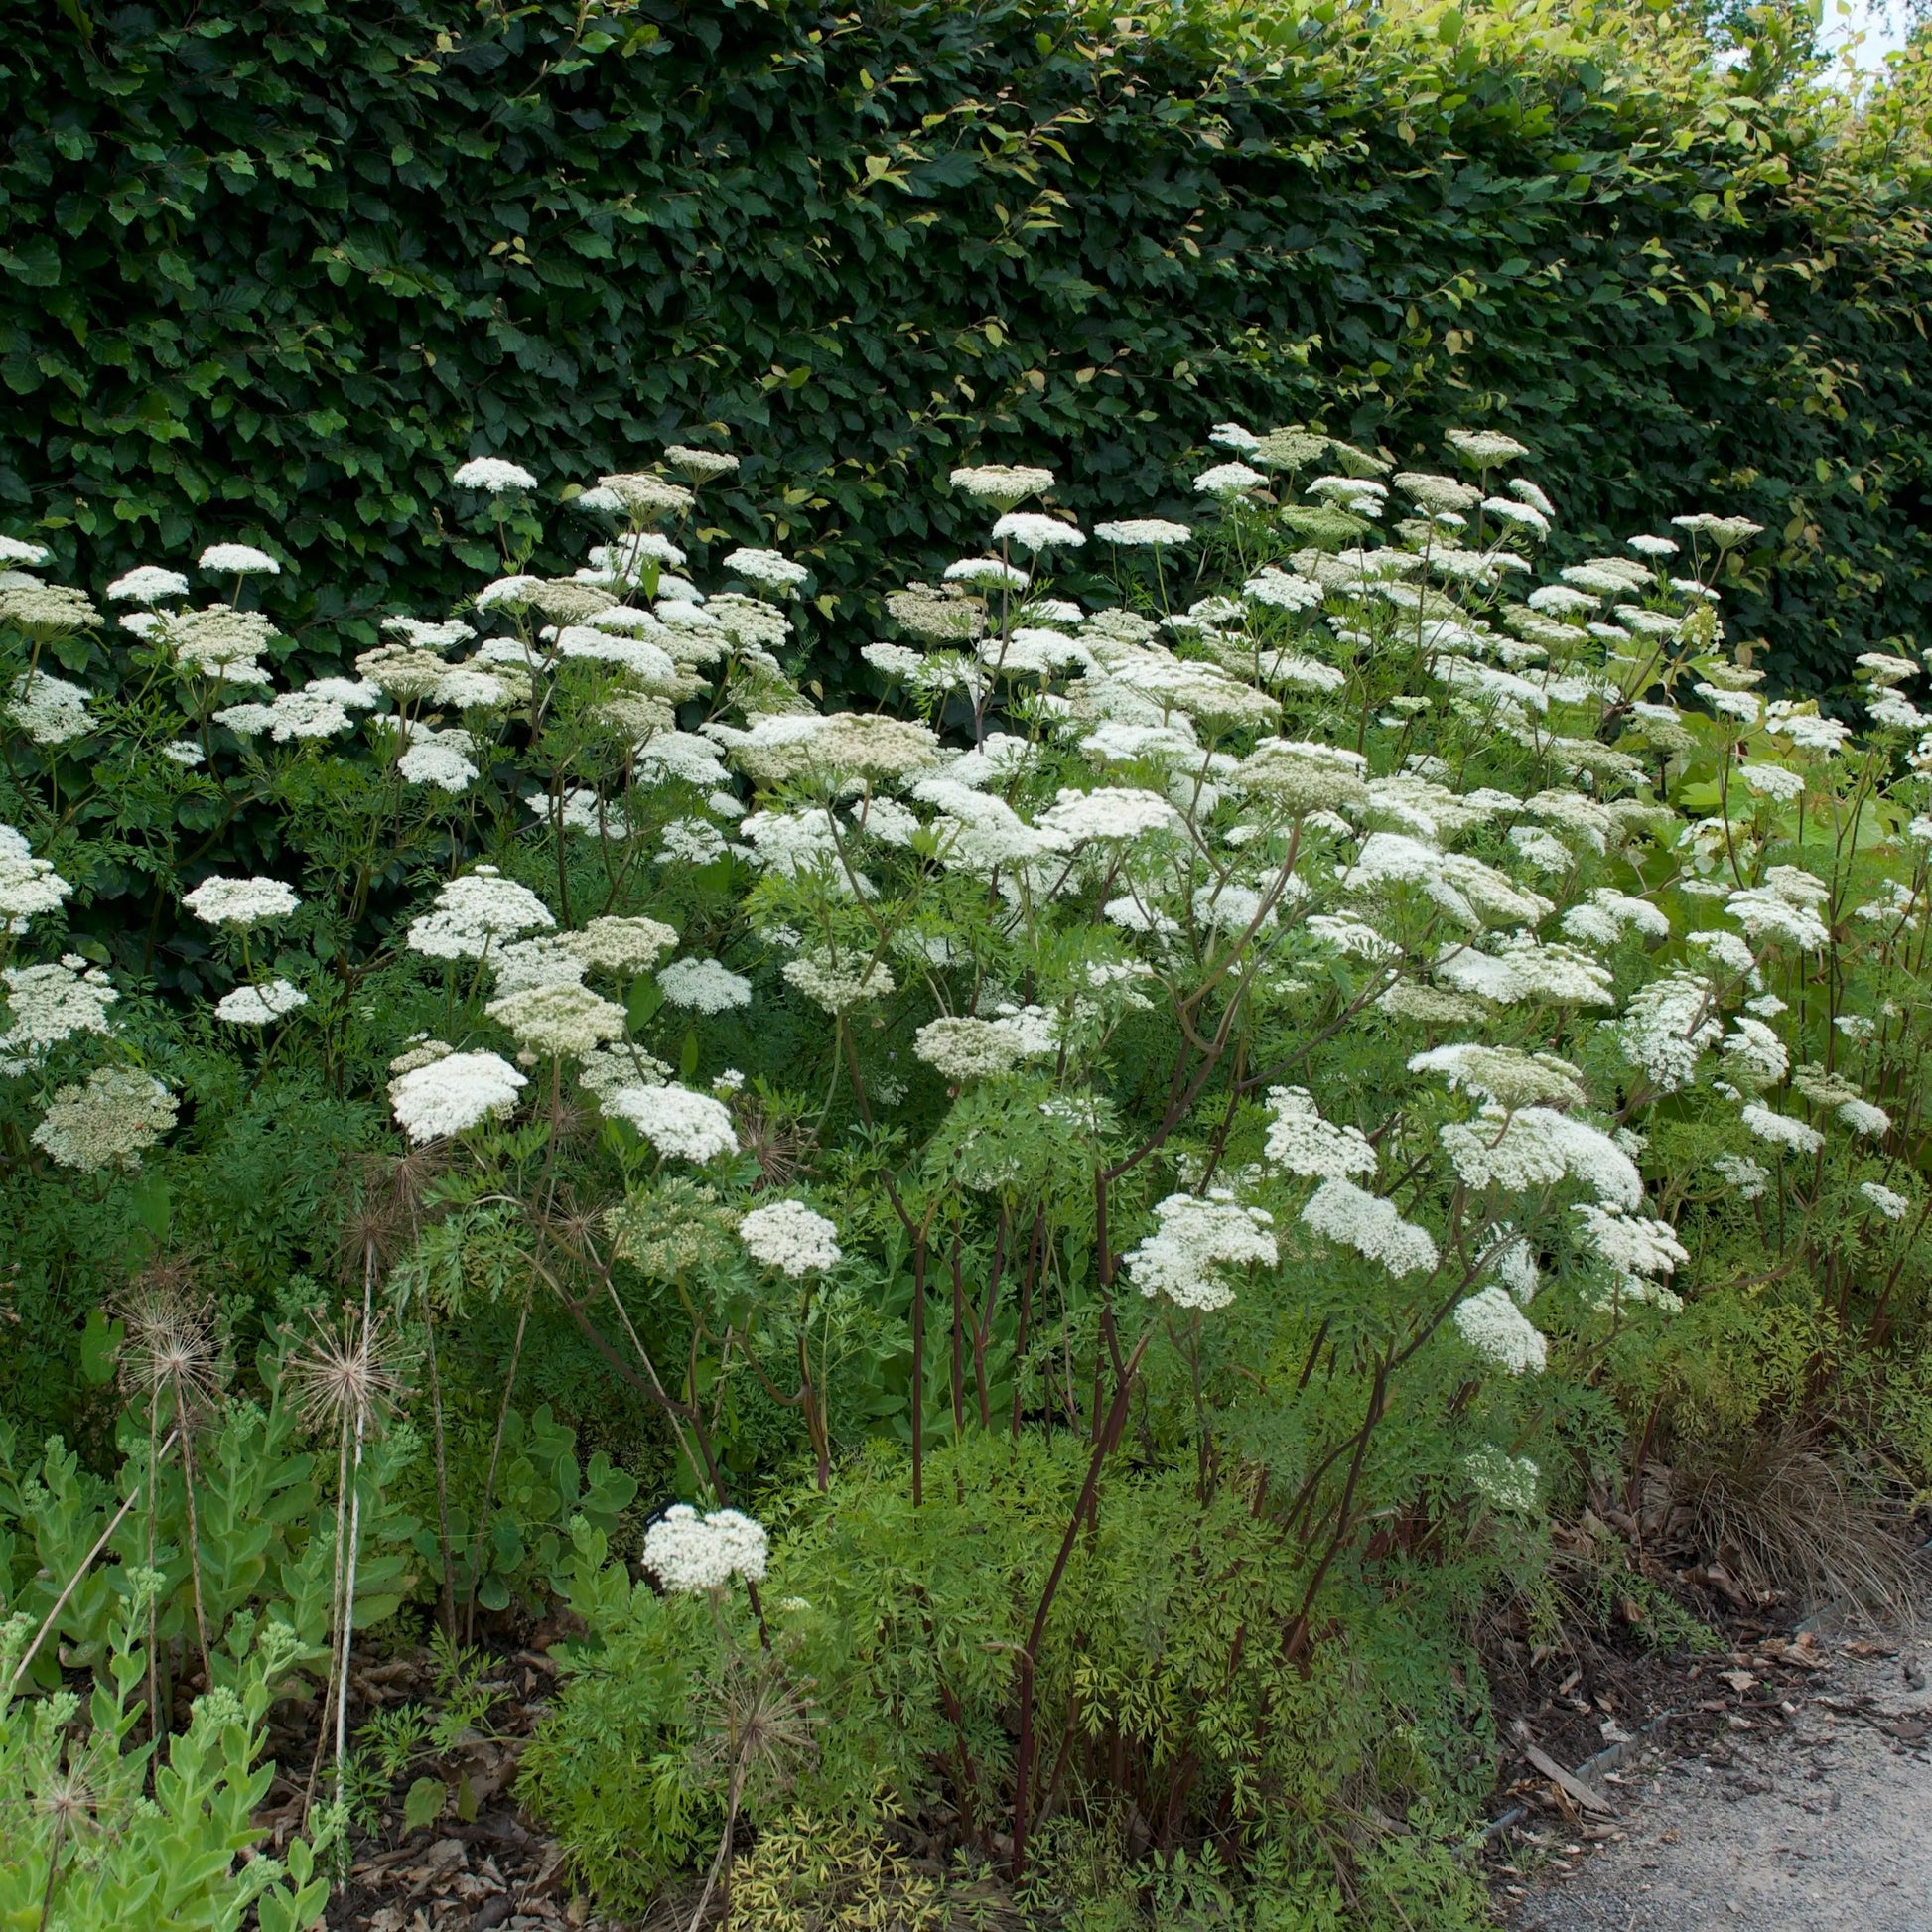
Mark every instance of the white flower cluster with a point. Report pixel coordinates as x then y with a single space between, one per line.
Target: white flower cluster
559 1019
256 1006
45 1004
493 474
679 1123
240 902
1303 1142
1354 1218
29 886
704 986
1506 1481
1196 1239
474 911
790 1237
50 710
690 1553
108 1121
1498 1330
452 1094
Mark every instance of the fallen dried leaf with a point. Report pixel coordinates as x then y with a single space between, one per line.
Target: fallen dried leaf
1585 1794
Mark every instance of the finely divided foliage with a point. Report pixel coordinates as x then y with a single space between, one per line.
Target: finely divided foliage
1294 985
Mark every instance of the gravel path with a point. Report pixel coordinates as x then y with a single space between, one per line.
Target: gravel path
1815 1818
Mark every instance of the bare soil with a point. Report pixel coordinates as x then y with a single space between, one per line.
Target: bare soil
1797 1797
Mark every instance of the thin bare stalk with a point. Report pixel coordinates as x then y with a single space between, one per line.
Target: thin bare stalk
86 1564
496 1458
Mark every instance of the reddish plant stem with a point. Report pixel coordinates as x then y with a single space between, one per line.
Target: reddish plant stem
1110 1433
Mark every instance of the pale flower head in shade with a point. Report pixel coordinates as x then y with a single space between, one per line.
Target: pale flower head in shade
679 1123
147 584
1303 1142
704 986
1036 533
452 1094
622 945
1194 1241
765 568
790 1237
1503 1481
45 1004
238 560
999 486
1499 1331
240 902
28 886
691 1553
256 1006
107 1122
559 1019
1354 1218
474 910
493 474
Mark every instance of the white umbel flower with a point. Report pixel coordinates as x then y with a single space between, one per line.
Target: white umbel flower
1196 1239
1109 812
493 474
1303 1142
238 560
45 1004
962 1048
1765 914
1668 1027
1229 480
107 1122
1000 484
240 902
986 573
790 1237
1895 1207
1783 1129
678 1122
454 1094
1144 533
620 945
1497 1330
1506 1481
28 886
1754 1055
1036 533
691 1553
474 910
559 1019
1749 1179
767 568
256 1006
438 763
1633 1243
1536 1147
50 710
1354 1218
1282 591
704 986
148 585
839 988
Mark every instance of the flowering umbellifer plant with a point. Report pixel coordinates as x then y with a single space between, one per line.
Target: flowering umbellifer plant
1305 969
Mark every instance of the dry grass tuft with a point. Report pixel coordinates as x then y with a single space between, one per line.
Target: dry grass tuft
1779 1515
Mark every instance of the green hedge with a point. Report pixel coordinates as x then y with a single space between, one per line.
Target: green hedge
272 266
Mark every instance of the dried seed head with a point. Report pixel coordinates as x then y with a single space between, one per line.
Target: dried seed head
171 1346
347 1375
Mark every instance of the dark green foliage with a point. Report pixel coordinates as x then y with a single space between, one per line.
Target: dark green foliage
274 268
